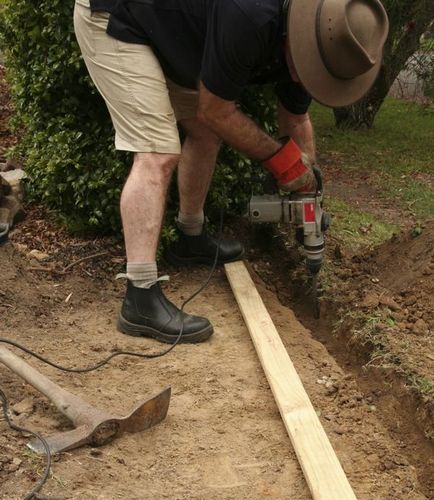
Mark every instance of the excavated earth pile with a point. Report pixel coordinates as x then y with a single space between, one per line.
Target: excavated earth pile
396 281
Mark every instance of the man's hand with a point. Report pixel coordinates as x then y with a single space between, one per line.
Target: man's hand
292 169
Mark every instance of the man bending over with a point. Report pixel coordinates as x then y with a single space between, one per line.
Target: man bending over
159 62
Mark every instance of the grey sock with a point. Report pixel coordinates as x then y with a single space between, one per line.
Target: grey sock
142 274
191 225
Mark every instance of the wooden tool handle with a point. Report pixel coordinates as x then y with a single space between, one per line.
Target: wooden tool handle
67 403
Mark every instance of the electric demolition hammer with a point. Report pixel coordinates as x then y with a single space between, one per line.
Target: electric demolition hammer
304 212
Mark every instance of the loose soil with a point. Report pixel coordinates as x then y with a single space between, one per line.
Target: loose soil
223 437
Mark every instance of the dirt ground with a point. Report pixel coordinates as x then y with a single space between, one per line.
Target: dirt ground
223 437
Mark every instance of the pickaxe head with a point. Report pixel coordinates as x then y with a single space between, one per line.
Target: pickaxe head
98 427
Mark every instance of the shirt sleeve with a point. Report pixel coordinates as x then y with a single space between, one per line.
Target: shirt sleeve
293 97
234 46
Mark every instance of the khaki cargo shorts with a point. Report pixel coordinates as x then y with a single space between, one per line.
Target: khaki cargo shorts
144 106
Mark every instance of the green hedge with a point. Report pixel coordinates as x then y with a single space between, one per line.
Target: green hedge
67 136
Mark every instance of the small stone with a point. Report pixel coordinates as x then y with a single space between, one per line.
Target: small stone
331 388
5 459
410 300
15 465
20 247
5 215
38 255
370 300
13 177
24 406
9 202
372 408
390 303
420 327
18 192
12 210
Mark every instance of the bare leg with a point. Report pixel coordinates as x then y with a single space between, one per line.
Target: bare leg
196 166
143 203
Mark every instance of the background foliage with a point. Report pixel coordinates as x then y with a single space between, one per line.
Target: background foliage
409 20
67 136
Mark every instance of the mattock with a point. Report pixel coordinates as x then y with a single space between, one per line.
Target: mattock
92 425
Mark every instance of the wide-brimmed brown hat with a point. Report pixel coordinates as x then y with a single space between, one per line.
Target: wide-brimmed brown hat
337 47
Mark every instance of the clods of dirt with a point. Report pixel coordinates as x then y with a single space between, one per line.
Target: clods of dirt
377 321
397 278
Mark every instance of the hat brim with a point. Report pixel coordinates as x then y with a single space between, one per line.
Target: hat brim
312 72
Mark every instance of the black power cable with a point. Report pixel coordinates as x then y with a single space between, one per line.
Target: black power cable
5 407
43 480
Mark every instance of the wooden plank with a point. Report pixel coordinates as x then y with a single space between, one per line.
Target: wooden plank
322 470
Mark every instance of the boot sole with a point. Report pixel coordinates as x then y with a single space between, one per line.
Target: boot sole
176 260
135 330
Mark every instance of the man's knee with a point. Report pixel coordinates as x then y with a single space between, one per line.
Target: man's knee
158 164
199 133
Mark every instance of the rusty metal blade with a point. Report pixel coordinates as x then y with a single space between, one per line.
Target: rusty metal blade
148 413
97 433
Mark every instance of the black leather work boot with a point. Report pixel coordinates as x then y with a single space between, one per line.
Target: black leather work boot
190 250
148 313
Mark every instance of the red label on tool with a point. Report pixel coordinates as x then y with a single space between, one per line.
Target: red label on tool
309 212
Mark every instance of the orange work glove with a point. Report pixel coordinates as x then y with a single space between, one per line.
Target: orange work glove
292 169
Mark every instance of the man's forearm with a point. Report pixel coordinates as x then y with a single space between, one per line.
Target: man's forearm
286 162
244 135
237 129
299 128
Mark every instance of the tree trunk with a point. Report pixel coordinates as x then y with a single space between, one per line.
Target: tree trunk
409 19
359 115
362 113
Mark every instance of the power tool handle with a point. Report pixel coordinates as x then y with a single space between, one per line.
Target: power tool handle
318 177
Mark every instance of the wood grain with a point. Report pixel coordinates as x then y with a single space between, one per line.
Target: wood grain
321 467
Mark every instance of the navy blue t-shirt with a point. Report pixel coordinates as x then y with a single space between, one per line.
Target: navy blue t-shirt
226 44
102 5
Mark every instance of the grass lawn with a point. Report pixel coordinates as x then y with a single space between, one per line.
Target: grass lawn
397 153
355 228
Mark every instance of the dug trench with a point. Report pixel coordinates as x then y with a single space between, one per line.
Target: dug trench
223 437
377 322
